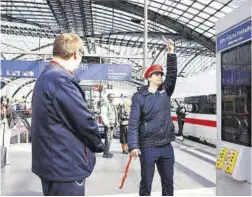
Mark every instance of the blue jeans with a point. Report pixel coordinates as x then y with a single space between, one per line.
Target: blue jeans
163 157
53 188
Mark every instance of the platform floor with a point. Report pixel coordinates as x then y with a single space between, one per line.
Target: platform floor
194 173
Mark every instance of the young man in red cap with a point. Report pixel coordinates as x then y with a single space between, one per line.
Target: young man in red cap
151 129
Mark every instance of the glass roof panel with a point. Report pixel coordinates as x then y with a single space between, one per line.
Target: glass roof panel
178 12
206 2
193 11
198 6
207 23
175 16
209 10
184 20
194 23
199 19
216 5
188 15
154 4
182 7
203 15
188 2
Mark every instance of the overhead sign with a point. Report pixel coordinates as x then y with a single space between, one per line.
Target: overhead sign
25 69
32 69
234 36
117 72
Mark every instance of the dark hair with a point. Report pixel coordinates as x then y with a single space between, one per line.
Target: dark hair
7 99
110 94
7 106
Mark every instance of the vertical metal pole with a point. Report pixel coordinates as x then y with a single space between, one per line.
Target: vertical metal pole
145 35
100 94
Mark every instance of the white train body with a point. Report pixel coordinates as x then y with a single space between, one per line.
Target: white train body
198 95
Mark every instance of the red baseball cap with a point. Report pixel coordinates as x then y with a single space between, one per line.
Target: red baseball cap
153 69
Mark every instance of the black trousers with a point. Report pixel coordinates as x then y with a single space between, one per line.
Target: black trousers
123 134
180 126
108 139
163 157
73 188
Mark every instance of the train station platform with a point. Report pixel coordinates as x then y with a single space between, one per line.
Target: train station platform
194 175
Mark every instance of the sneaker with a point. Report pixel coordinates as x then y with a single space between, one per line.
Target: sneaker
125 152
108 156
180 138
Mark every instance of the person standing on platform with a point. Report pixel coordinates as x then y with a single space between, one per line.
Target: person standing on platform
124 121
181 114
151 129
63 133
109 116
7 118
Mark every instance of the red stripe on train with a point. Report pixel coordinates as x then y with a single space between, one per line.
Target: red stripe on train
208 123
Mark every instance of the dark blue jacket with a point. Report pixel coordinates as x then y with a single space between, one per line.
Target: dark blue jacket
150 122
63 131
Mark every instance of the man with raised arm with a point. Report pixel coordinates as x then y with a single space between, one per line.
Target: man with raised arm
151 129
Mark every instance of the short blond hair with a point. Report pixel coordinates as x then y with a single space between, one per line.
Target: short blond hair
65 45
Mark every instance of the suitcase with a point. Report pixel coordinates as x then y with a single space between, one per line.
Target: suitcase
3 151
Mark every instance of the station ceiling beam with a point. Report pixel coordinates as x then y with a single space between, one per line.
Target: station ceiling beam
21 86
140 33
163 20
9 18
33 32
139 44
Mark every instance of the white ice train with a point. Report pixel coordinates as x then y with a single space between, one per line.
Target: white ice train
198 95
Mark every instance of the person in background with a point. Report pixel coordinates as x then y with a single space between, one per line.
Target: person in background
151 129
181 114
124 121
18 106
7 117
109 116
64 135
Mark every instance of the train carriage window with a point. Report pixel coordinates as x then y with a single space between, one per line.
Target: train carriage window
202 104
175 103
236 94
196 104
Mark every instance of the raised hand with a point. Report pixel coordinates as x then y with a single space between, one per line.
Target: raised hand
170 46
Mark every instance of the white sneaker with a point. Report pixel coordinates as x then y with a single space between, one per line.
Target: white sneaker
180 138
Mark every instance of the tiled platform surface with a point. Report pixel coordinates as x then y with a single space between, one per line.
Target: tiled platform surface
194 173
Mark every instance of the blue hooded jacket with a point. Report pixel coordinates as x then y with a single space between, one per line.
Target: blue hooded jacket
63 133
150 122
